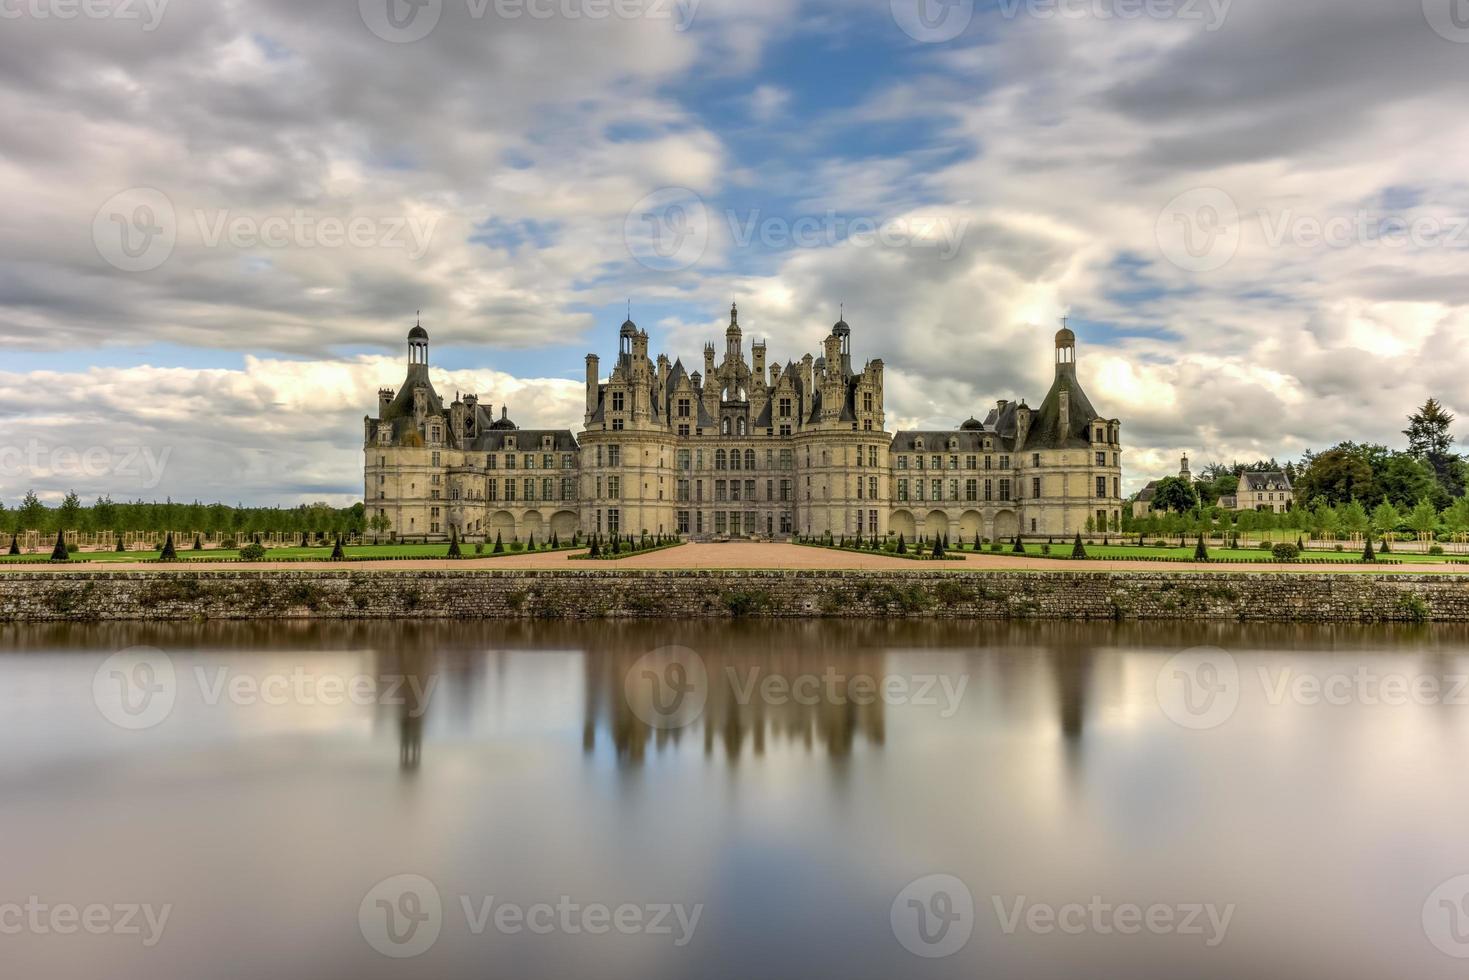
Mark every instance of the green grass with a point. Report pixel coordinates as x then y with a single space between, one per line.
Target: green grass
322 553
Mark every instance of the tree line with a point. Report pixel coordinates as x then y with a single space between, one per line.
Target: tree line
149 517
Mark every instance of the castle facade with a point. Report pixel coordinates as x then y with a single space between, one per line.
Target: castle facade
740 449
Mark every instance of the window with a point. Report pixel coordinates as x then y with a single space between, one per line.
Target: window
683 413
490 461
953 489
938 490
617 425
903 490
614 487
1101 459
867 401
614 520
1004 489
785 490
1035 486
682 491
721 459
683 522
902 462
1004 462
530 461
872 488
989 489
683 460
530 489
568 488
548 489
785 408
749 459
1035 460
617 403
938 462
971 490
614 455
989 462
721 490
1101 488
734 459
434 459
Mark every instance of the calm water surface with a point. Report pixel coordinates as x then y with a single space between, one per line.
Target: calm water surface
747 782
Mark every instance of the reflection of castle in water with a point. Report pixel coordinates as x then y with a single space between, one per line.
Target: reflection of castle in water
763 685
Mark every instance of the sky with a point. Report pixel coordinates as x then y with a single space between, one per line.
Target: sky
219 219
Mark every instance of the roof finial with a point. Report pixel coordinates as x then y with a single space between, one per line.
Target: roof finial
1065 321
629 308
418 318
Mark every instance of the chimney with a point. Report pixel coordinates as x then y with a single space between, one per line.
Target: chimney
384 399
1065 413
593 363
1022 426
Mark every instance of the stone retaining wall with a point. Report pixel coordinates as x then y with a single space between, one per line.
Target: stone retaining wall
593 594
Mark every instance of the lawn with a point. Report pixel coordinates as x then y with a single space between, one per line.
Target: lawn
323 553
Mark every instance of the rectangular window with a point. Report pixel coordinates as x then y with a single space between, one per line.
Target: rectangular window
614 521
530 489
683 522
1101 459
1035 486
872 488
1004 489
617 401
903 491
902 462
721 490
938 490
989 489
1035 460
683 491
1004 462
1101 488
614 487
683 460
971 490
614 455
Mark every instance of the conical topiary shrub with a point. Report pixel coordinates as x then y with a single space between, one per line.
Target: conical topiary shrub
1019 549
59 553
118 546
1367 553
499 548
198 543
1078 550
168 553
531 544
15 543
1201 553
902 545
338 554
938 547
454 543
555 540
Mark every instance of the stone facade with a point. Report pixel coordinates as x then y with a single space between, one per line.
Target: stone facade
180 594
740 449
1262 491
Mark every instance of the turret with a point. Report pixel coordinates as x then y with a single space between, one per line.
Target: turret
1065 351
384 399
732 336
1022 425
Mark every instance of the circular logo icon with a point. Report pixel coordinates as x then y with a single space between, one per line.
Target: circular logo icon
932 21
1449 19
136 229
667 687
401 21
135 688
1199 230
1446 917
934 916
401 916
668 230
1199 688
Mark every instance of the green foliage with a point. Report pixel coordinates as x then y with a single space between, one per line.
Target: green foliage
338 553
1175 494
1201 551
252 552
168 553
1367 553
1284 551
454 551
499 545
59 553
1078 550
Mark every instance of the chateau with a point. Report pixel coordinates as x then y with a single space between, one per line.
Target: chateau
739 449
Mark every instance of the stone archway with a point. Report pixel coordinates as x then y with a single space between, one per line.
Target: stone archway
564 524
936 524
1007 525
531 523
970 525
902 522
502 522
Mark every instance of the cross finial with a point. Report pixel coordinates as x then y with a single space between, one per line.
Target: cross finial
1065 321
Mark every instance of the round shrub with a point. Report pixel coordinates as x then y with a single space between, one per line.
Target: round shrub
252 552
1285 551
1436 550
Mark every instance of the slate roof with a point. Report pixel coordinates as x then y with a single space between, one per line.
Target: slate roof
1256 482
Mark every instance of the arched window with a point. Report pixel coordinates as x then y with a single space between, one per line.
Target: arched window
742 426
726 426
749 459
734 459
720 461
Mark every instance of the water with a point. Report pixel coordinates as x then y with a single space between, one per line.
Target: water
1042 769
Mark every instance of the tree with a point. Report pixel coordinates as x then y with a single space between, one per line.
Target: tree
1201 552
938 547
1175 495
1339 475
168 553
337 553
31 515
454 542
59 553
499 548
1367 554
1424 519
1385 518
1354 518
902 545
1430 440
1078 550
69 514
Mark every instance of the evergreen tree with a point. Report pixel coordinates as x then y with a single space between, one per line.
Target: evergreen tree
1018 548
531 544
977 544
1078 550
596 551
59 553
1367 554
168 553
198 543
938 546
119 546
337 553
15 543
453 542
499 545
1201 552
902 545
555 540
